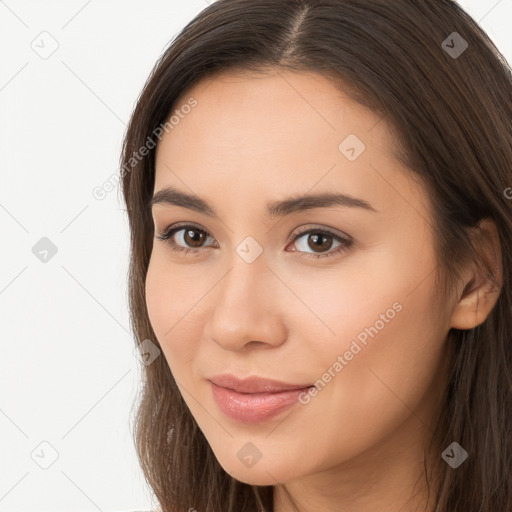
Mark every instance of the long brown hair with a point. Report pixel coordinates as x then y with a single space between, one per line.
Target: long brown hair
450 107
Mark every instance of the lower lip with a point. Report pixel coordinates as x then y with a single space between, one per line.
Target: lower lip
254 407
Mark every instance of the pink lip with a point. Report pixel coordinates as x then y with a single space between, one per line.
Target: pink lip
254 384
254 399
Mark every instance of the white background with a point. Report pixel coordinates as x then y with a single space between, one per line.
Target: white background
67 368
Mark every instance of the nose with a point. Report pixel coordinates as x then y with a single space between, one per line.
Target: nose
246 310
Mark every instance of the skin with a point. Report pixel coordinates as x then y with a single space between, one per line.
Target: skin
357 445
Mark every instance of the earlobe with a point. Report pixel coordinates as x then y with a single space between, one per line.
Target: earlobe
482 288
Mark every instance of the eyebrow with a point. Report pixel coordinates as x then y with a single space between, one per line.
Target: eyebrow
172 196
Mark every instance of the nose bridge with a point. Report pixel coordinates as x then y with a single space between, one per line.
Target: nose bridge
243 285
248 264
244 308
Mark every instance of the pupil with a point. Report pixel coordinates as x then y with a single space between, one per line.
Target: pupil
316 239
198 239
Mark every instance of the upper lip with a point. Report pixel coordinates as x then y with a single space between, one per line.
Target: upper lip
254 384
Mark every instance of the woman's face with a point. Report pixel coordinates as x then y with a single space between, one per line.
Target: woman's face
267 294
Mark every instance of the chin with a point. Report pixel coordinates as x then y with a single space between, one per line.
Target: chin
256 478
260 474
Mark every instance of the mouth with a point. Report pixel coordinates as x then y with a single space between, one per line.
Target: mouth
254 384
254 399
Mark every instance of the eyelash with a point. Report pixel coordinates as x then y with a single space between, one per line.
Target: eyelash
166 235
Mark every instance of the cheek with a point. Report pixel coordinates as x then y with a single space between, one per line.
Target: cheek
160 309
362 326
378 348
383 298
390 378
171 302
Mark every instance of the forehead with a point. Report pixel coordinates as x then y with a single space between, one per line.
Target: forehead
243 105
276 132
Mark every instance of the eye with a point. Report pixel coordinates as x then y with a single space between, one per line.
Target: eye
193 238
320 238
191 235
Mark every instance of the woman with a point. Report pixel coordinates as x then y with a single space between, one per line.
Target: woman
320 210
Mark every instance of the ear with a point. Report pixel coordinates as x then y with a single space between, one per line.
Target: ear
481 288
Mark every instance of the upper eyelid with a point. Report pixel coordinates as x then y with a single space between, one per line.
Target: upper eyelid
316 227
